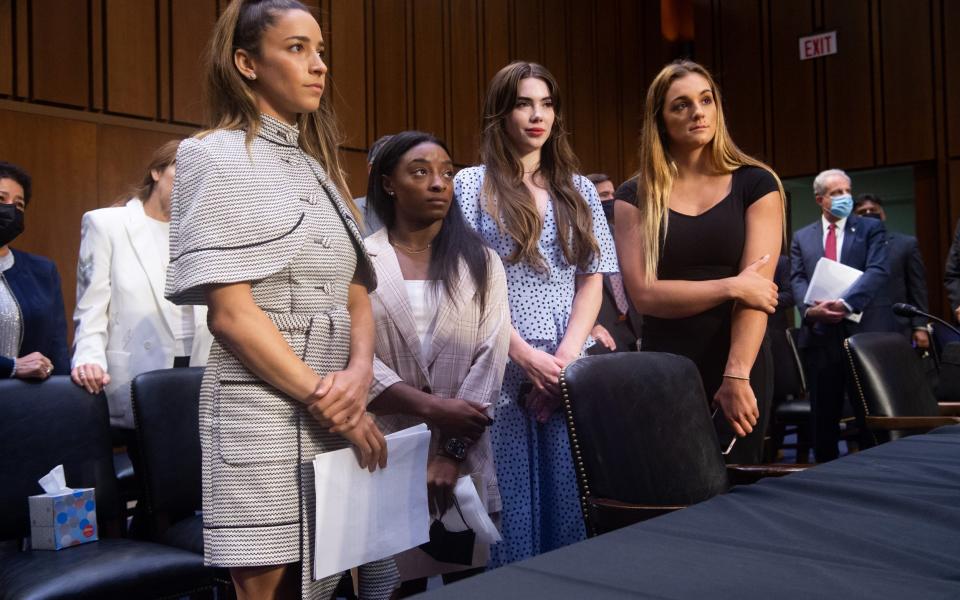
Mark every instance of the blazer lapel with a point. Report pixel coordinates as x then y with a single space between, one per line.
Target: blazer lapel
448 313
393 294
140 238
849 233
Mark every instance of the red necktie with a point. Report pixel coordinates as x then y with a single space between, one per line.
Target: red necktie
830 248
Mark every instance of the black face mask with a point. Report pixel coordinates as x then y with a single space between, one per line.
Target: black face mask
11 223
871 215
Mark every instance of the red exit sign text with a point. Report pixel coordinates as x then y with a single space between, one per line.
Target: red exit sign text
815 46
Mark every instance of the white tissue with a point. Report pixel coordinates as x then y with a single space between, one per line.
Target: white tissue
55 482
474 513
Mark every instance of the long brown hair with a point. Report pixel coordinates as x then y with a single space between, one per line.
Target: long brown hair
162 157
658 169
230 102
508 199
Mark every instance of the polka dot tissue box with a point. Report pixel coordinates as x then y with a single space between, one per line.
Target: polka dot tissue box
62 517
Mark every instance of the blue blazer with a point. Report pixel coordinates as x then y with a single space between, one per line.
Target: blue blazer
864 248
35 283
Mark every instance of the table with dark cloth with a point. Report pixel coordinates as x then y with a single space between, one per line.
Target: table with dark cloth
883 523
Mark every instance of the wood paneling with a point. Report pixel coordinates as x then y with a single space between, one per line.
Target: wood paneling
581 108
607 92
347 51
355 165
741 82
60 155
190 28
6 47
60 52
22 59
429 72
794 116
391 84
527 29
951 25
907 80
555 42
633 88
496 36
131 50
847 77
123 154
465 99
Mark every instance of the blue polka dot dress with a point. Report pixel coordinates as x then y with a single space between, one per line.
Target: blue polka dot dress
538 485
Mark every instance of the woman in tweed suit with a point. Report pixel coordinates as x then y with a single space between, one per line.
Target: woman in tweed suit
443 327
261 234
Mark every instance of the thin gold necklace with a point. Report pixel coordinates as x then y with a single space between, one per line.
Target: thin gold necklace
409 250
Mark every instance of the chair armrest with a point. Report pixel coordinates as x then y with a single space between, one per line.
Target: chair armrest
909 423
949 409
747 474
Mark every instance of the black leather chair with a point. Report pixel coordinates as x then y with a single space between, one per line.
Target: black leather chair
892 397
56 422
791 405
642 438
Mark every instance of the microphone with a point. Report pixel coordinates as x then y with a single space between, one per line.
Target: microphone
908 310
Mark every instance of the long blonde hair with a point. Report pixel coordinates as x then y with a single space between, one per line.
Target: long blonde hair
509 201
658 169
230 102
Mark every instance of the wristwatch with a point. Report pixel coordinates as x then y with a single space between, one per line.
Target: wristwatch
454 448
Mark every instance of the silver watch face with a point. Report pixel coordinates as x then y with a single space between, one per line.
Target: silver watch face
456 448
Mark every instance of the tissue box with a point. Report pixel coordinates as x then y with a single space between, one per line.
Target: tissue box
64 519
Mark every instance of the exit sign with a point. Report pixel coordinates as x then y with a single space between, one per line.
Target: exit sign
815 46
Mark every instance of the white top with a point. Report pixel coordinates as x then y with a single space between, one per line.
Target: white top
423 303
11 325
841 224
182 325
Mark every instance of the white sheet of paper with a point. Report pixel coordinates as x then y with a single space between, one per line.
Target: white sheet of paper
364 516
474 513
830 281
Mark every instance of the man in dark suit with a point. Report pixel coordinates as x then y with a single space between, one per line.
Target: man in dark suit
856 242
908 278
951 275
618 324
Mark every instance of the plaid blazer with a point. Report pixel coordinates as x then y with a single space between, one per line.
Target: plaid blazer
466 358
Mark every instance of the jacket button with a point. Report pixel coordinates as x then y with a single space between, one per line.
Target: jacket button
147 345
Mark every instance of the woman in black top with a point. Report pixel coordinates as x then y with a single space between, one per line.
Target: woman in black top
696 248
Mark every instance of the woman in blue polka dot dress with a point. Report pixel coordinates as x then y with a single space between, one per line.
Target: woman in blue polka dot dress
547 225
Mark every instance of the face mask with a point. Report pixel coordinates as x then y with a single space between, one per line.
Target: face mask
11 223
841 206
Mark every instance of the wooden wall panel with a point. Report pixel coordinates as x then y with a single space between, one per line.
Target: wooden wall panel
581 91
60 155
555 42
191 25
849 124
60 52
123 154
794 114
22 59
496 37
951 25
347 51
607 90
527 30
907 80
465 82
354 164
391 93
954 185
131 51
633 87
428 73
741 81
7 47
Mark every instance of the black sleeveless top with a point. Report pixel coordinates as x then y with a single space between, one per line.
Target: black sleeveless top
704 247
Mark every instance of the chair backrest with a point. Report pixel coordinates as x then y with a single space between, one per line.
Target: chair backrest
46 424
641 430
789 381
888 379
166 413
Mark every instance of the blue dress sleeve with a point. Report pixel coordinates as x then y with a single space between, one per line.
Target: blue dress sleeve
466 193
607 261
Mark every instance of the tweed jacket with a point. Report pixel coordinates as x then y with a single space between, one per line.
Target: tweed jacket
467 356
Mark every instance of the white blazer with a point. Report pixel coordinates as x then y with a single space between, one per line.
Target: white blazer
122 321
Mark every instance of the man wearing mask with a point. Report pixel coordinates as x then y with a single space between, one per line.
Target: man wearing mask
33 327
618 323
859 243
908 277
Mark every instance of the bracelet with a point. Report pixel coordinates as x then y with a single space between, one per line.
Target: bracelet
729 376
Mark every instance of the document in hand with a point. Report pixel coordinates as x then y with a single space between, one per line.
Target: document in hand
364 516
830 281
